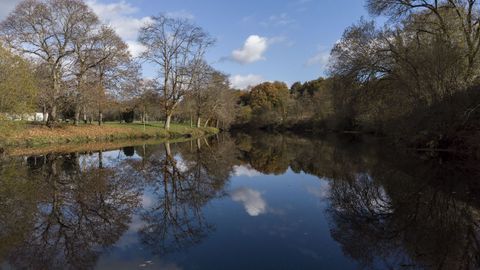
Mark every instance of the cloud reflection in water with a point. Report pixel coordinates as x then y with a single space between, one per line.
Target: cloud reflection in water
251 199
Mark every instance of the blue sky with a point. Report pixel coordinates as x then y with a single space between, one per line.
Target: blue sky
286 40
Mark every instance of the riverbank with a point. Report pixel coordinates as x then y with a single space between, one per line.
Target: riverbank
23 134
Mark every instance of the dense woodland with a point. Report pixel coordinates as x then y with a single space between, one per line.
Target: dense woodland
414 79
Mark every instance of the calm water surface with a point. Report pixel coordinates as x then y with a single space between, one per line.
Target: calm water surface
239 202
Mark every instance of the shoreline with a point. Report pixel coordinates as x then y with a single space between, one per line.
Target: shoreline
33 135
87 147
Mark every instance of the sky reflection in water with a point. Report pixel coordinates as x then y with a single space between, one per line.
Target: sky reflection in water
238 202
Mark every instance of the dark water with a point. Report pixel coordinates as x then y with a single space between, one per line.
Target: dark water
240 202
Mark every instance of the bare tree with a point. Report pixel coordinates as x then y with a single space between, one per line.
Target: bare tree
200 96
142 96
221 104
88 56
211 98
115 70
45 30
174 45
463 15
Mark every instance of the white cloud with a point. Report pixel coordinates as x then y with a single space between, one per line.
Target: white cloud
180 14
321 59
251 199
136 49
112 10
244 81
147 200
252 51
120 16
7 6
182 166
245 171
128 28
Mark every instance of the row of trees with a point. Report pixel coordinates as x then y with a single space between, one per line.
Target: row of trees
189 87
82 67
274 104
417 73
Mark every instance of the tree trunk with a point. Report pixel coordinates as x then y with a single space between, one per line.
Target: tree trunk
52 116
100 159
100 118
84 117
217 124
45 113
206 123
143 117
206 142
167 121
199 144
76 121
199 122
168 149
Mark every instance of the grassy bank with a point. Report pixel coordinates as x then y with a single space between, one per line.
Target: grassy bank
15 134
86 147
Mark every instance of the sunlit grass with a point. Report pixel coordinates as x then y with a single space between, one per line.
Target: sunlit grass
37 134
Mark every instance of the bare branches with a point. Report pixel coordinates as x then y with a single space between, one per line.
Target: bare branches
81 57
450 16
45 30
175 46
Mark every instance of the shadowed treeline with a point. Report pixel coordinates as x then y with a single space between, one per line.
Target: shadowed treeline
410 72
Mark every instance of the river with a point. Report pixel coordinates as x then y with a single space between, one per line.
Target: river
243 201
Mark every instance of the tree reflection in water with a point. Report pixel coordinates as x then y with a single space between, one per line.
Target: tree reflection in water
395 221
61 214
386 210
183 183
62 211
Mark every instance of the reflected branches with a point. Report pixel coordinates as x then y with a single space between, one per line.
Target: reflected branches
183 181
398 221
76 212
385 209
